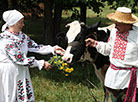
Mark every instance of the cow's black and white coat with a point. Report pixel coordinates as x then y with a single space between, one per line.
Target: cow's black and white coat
77 51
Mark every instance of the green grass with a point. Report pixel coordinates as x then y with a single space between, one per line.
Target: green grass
93 17
53 86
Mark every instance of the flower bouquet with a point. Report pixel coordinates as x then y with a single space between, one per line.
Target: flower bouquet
57 62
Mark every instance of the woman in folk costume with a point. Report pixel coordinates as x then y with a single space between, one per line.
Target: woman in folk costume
15 83
122 49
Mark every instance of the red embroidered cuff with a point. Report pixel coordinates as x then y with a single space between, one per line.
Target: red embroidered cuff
95 43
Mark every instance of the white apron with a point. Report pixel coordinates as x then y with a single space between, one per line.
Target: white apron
15 82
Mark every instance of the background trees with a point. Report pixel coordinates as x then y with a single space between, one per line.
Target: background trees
51 11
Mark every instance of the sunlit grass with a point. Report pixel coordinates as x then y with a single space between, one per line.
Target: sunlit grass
53 86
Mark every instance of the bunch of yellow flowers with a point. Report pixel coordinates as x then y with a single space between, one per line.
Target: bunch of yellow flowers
56 61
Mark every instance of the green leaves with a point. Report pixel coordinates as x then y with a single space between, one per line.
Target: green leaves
58 63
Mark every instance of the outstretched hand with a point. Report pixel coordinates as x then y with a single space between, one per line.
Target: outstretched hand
90 42
47 65
59 50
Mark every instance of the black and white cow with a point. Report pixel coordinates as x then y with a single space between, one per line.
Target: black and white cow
77 51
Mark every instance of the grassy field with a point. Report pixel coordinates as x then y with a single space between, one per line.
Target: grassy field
52 86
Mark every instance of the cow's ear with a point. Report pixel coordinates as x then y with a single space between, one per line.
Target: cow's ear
60 36
83 25
95 26
108 32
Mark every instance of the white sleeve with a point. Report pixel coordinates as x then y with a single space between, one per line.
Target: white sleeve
15 54
41 49
105 47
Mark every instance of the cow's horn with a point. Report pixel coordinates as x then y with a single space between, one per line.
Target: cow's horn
82 23
67 25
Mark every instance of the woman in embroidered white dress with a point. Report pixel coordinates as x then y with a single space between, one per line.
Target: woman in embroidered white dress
15 83
122 48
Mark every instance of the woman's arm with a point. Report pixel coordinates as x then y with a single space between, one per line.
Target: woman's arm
43 49
15 54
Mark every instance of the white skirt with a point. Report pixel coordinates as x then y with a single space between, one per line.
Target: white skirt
15 83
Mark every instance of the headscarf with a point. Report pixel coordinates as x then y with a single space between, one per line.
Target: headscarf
11 17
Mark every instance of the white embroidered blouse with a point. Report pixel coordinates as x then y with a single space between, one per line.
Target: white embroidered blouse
123 52
14 48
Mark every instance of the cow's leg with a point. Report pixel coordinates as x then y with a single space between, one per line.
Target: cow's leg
100 73
103 71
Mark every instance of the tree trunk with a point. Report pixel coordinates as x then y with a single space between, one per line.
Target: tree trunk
48 22
57 20
83 13
3 7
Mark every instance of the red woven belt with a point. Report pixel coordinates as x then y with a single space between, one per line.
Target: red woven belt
132 88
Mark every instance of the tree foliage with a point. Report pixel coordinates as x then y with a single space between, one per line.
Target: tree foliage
127 3
52 10
30 6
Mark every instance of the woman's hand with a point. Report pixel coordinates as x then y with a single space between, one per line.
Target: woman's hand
90 42
47 65
59 50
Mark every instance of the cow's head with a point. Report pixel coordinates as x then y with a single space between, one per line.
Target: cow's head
76 36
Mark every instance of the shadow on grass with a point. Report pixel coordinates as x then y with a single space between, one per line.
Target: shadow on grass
83 73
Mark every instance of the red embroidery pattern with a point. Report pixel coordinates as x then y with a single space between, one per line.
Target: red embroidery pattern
21 90
120 45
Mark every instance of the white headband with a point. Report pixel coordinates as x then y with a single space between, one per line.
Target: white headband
11 17
124 9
